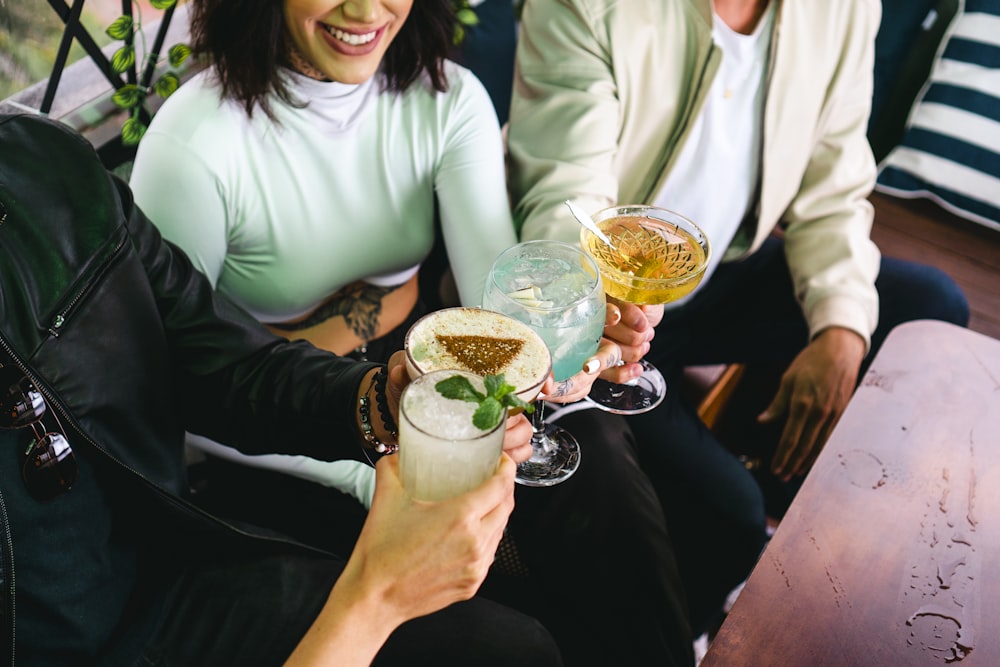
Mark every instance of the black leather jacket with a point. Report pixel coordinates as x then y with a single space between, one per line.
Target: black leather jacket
128 342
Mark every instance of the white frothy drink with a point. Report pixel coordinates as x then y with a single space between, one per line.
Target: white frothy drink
482 342
441 452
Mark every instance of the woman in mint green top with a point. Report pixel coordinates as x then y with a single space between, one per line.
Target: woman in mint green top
304 173
315 211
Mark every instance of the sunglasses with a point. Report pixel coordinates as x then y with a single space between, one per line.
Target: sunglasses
48 465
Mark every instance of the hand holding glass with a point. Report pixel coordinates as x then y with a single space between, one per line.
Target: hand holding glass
554 288
658 256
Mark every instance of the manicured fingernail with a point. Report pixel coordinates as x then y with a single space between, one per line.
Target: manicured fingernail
614 314
592 366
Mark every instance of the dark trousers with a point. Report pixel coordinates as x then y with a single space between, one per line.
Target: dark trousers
251 611
592 559
602 573
747 313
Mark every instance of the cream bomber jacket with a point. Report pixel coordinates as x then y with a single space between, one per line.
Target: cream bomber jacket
605 91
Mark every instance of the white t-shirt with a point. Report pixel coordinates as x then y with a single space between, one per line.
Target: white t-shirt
713 178
281 216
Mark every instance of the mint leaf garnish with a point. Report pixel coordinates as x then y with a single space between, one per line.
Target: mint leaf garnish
488 414
459 388
499 395
493 384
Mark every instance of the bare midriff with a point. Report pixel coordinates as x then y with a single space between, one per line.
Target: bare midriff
338 335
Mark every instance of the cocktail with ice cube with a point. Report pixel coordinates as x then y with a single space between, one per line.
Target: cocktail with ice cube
442 453
555 288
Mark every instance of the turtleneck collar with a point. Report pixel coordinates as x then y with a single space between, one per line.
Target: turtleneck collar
332 106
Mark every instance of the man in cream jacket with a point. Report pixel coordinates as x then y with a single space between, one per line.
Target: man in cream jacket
749 117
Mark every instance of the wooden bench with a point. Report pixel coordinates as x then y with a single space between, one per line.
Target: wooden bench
890 554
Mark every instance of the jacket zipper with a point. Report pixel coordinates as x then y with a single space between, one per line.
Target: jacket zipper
60 318
7 566
7 555
759 190
669 153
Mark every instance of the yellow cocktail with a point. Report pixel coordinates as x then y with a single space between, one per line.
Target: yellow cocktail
655 256
658 256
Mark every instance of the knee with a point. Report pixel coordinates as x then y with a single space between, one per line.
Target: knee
747 512
910 291
945 299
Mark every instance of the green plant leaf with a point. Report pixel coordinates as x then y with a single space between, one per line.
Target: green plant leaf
162 4
459 388
132 131
123 59
166 85
467 16
178 53
120 28
127 96
488 414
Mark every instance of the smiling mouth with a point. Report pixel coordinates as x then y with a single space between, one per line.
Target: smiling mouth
350 37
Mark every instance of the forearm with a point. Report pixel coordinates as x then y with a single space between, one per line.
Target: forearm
471 189
831 256
350 629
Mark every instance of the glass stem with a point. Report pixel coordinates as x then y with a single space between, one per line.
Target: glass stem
539 442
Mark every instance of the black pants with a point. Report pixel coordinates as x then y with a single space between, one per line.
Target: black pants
747 313
603 575
599 569
249 611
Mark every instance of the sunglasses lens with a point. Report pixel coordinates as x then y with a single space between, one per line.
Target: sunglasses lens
49 468
20 405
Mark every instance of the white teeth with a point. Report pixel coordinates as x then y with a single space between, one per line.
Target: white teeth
351 38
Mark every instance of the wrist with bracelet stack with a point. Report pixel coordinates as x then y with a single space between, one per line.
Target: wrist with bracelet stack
373 444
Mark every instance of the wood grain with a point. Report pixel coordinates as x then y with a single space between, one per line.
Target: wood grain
890 554
921 231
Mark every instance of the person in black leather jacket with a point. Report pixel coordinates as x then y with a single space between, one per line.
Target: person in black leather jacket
111 345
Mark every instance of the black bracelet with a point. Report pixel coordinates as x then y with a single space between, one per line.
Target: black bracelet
381 380
375 448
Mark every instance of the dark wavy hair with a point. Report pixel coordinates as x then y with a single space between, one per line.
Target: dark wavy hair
246 42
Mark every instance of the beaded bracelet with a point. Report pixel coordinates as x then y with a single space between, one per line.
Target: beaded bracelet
382 402
372 441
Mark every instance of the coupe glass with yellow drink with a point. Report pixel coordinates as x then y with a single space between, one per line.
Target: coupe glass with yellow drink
655 256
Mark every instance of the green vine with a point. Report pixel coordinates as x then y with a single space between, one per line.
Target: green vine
467 18
132 97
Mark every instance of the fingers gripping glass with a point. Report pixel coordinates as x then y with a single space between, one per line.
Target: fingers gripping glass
48 465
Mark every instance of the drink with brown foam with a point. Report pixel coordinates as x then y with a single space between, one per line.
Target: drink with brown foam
481 342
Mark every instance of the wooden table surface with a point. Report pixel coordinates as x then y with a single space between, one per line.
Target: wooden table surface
890 553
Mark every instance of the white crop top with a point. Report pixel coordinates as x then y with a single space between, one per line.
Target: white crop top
282 216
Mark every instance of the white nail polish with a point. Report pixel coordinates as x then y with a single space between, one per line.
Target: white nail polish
592 366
